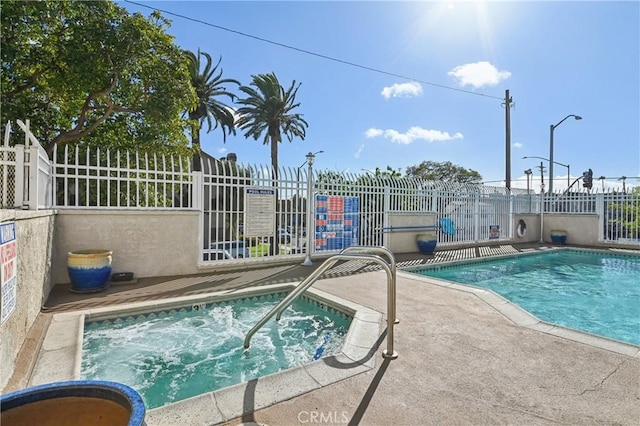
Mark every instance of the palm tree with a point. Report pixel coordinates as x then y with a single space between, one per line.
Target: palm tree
267 110
209 87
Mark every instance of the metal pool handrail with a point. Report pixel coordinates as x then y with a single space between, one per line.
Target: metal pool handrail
392 264
313 277
361 249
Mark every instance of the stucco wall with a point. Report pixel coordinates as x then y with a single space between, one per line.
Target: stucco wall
404 240
147 243
581 229
34 231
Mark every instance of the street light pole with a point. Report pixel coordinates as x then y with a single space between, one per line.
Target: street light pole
541 241
551 129
528 172
310 157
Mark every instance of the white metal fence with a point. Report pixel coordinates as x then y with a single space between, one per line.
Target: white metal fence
25 171
93 178
619 215
247 211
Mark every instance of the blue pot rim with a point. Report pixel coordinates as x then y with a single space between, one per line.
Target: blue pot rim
119 393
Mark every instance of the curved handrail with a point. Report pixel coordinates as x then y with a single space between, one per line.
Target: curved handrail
313 277
362 249
375 249
392 264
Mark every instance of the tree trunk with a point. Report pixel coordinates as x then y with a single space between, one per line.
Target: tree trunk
274 166
195 146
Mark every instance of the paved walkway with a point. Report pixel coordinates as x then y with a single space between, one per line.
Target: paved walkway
61 299
462 362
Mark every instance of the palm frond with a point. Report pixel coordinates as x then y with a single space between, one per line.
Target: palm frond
210 87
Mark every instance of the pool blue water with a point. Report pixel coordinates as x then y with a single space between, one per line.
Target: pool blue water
170 356
588 291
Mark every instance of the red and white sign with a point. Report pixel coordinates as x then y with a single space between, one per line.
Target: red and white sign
8 269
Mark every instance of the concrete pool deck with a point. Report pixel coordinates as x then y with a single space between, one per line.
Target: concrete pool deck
464 357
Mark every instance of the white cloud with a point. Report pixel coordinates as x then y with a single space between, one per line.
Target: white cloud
373 133
222 150
402 90
413 134
478 74
359 151
518 145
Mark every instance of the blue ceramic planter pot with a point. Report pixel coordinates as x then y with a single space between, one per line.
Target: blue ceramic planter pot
81 402
89 270
558 237
427 243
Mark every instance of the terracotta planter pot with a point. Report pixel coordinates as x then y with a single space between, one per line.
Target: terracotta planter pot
89 270
81 402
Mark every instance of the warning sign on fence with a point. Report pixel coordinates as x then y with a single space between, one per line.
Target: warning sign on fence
8 269
337 220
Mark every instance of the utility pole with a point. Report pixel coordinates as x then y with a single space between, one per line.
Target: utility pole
602 178
541 167
624 187
541 203
507 120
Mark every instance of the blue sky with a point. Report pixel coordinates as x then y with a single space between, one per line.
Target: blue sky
556 58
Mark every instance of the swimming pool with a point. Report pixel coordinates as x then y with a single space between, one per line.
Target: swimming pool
590 291
183 351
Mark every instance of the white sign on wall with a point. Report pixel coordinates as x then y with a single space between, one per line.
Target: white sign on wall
260 212
8 269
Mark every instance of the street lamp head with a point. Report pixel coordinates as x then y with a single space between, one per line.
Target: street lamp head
577 117
311 156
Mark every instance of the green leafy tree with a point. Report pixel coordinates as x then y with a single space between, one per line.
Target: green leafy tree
92 72
445 171
389 172
210 87
267 111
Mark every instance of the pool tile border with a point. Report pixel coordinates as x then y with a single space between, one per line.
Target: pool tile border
523 318
60 357
208 305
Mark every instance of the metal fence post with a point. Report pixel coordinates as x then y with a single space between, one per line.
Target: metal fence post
600 211
19 182
385 216
33 177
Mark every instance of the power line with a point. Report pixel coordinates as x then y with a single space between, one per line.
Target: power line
308 52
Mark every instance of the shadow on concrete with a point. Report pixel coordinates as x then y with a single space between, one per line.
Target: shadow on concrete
371 390
249 402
